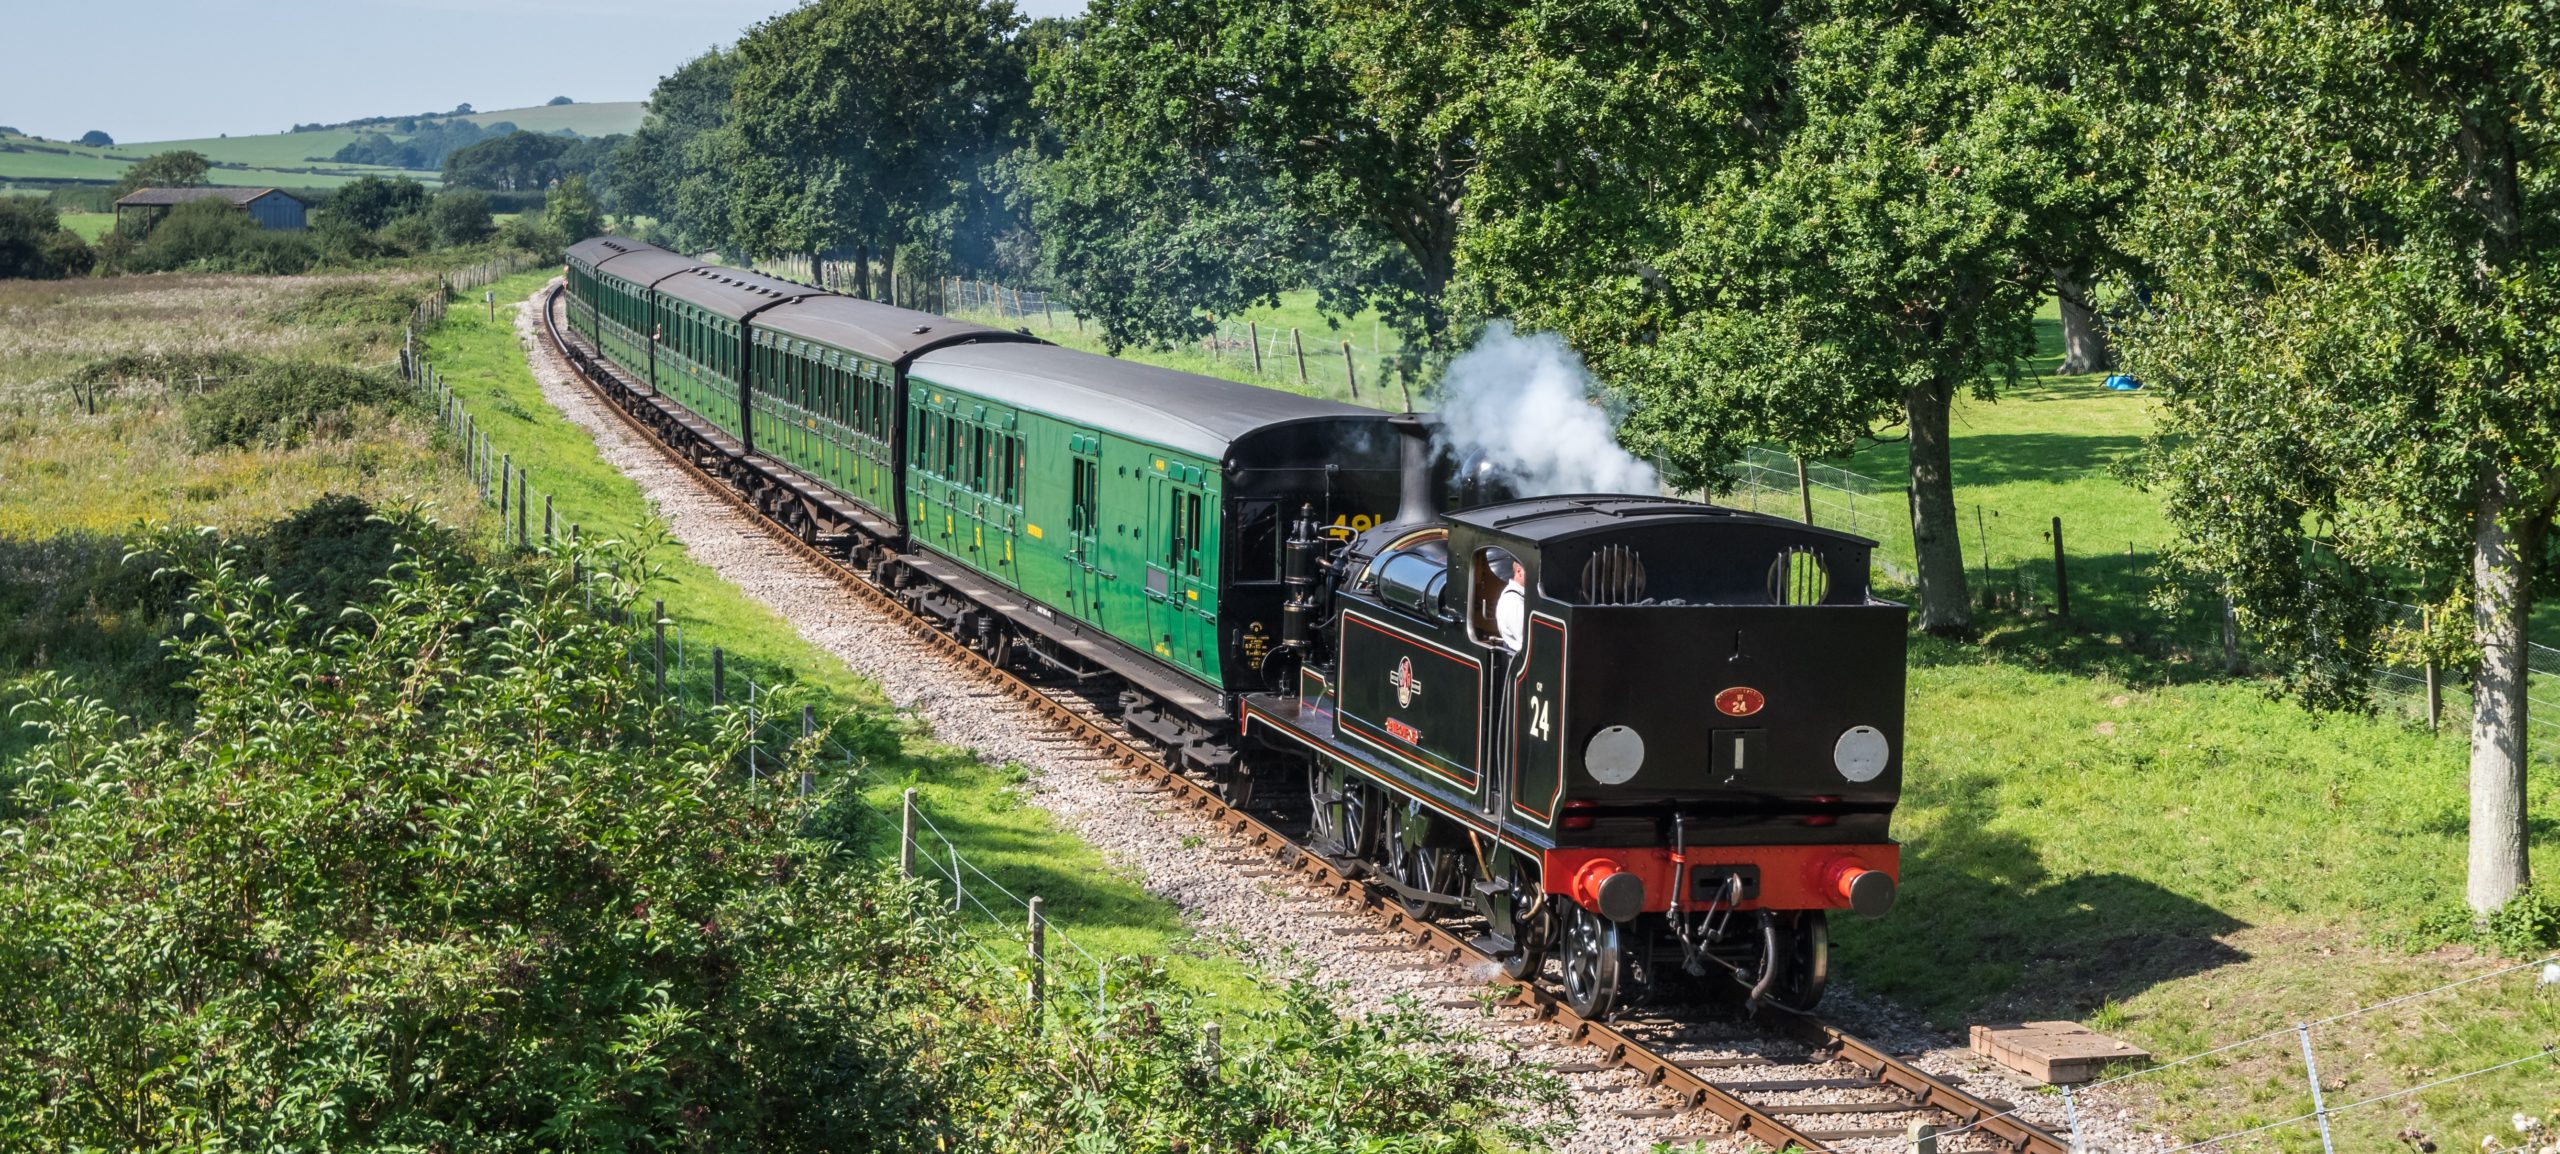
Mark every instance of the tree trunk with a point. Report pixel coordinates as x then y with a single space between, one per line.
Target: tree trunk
2502 554
862 271
2084 343
889 273
1946 607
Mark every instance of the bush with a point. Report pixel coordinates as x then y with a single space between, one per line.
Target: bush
370 202
33 243
470 891
461 216
282 403
373 304
532 233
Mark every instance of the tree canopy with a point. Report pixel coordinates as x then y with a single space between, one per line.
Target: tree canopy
180 168
2348 270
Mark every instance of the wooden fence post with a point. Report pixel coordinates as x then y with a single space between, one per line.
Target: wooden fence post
2061 578
1253 333
1298 347
1350 372
1804 490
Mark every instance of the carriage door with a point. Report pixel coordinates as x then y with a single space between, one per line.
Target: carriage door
1086 572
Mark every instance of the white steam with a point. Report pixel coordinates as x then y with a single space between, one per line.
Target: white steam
1527 405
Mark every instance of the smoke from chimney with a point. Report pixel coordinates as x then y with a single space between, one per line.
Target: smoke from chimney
1528 405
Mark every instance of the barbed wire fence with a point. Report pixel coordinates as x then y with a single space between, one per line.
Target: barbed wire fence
787 746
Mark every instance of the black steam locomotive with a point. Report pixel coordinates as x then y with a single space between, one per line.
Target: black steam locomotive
1627 733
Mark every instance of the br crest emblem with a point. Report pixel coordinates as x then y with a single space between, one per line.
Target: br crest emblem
1407 685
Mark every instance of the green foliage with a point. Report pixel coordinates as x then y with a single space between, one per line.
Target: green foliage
472 893
660 174
518 160
532 233
213 235
460 216
857 122
1209 154
33 243
425 148
2527 926
379 306
283 403
182 168
573 215
370 202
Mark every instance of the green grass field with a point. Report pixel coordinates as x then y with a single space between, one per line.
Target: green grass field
241 161
1099 907
90 225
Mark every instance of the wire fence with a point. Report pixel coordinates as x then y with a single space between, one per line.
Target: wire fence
2014 563
784 732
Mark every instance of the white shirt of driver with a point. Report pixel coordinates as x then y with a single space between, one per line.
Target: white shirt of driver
1511 616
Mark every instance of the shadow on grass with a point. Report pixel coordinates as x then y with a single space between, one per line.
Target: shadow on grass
1983 931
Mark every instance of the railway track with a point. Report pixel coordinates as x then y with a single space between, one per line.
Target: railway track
1791 1084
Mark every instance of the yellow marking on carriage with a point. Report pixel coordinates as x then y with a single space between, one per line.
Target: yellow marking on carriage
1034 530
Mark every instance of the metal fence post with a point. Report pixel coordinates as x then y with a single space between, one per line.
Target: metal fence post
658 622
1922 1137
506 478
958 891
2435 690
2319 1107
2071 1114
2230 636
546 518
808 729
524 499
1038 988
1209 1048
907 835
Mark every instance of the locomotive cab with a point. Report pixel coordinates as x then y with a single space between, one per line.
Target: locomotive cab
1636 732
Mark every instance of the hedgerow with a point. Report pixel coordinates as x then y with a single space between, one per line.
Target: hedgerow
436 872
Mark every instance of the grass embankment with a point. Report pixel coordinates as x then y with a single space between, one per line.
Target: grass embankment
1100 907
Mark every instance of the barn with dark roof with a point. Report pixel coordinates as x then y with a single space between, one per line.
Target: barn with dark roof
273 209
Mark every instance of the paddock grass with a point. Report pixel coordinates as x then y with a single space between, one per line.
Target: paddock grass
90 225
602 118
980 807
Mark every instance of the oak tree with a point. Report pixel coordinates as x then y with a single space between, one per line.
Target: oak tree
2354 267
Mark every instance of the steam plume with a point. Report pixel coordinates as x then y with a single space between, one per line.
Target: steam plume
1527 405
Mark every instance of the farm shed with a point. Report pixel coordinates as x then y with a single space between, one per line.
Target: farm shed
271 208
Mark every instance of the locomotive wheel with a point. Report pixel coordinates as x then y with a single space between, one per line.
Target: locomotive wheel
1595 961
1423 868
1325 821
1809 963
1528 956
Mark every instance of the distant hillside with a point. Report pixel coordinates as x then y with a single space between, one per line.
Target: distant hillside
584 119
238 160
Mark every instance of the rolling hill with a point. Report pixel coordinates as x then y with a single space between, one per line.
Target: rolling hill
282 159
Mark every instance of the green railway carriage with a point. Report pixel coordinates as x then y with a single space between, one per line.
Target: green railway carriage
826 395
616 281
1133 508
704 318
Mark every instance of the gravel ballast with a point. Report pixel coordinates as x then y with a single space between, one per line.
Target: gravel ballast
1275 923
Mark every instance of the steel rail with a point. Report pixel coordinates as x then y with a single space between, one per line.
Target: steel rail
1653 1070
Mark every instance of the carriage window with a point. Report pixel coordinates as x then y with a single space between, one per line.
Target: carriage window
916 427
1080 506
978 458
1191 534
1012 469
951 448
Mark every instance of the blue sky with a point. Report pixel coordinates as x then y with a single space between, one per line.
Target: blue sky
180 69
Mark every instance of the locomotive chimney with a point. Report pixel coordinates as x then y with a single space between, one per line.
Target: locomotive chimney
1413 498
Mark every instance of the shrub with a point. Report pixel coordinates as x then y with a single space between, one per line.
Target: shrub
461 216
281 403
33 242
371 304
444 880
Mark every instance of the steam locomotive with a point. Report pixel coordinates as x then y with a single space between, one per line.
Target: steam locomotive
1628 734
